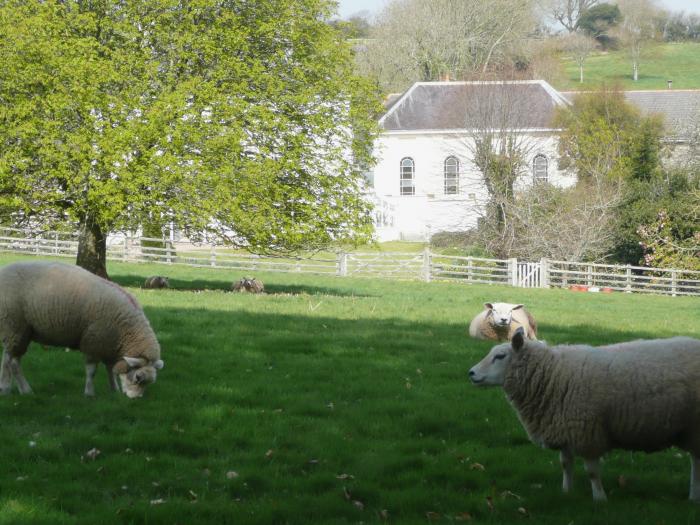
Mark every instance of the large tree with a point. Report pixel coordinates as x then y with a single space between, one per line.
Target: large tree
423 40
241 120
567 12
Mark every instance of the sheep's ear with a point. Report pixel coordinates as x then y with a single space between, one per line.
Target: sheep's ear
134 362
158 365
488 306
517 306
518 339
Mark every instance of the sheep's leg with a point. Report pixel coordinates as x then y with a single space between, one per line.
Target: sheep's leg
5 373
90 370
567 466
112 378
22 384
593 469
694 478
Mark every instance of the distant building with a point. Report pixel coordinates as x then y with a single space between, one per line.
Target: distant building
425 180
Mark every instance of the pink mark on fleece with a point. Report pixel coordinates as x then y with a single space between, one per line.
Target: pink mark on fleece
128 295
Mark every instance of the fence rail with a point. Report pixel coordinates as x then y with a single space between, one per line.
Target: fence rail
424 265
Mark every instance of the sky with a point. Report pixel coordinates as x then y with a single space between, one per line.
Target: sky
350 7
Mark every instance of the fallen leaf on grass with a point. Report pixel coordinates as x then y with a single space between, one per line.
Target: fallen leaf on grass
477 466
269 453
622 481
231 474
345 476
358 505
523 511
158 501
489 502
91 455
508 493
464 516
192 495
432 516
384 514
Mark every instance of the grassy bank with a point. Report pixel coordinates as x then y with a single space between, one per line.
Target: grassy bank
679 62
326 400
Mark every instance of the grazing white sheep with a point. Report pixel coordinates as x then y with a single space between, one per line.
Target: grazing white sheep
156 282
585 401
62 305
248 284
499 321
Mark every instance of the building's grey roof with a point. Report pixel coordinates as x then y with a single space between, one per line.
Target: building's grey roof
442 106
679 108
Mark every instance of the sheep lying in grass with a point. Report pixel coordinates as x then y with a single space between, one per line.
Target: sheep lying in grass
499 321
156 282
62 305
248 284
585 401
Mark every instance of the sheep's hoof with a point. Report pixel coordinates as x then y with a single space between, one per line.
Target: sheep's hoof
5 391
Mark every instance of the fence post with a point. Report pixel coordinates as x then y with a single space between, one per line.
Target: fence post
55 243
544 273
212 256
342 264
628 281
169 244
589 275
673 282
513 271
470 268
426 265
125 255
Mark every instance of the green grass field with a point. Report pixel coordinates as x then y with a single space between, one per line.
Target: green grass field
326 400
679 62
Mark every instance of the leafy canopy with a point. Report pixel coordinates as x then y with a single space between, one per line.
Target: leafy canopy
237 119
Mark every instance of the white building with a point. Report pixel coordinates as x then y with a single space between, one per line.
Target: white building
425 180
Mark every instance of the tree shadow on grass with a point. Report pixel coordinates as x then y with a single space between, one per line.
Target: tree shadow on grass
200 285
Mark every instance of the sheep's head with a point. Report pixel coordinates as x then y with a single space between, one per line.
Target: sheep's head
491 370
139 374
501 314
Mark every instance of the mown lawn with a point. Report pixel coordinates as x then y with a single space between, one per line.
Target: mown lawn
326 400
679 62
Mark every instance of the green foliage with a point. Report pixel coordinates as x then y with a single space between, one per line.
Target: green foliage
672 238
358 390
242 120
597 22
606 137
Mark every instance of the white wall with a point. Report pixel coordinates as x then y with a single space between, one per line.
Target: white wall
418 216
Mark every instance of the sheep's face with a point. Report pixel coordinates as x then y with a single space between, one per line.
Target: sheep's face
139 375
491 370
501 313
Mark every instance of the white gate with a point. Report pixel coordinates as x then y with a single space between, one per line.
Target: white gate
529 275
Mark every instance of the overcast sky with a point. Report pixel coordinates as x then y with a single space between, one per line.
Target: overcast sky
349 7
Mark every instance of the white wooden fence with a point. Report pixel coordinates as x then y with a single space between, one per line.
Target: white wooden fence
424 265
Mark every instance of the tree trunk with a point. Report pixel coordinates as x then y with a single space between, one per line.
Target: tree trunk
580 70
92 248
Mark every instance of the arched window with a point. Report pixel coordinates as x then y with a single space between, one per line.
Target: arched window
451 176
539 168
408 179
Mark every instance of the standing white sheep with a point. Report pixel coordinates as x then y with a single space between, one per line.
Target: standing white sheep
499 321
585 401
62 305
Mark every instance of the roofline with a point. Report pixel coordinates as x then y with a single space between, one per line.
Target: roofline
559 99
398 102
639 91
468 131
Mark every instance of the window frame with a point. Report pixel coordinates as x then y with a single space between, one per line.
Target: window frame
407 169
450 175
537 170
